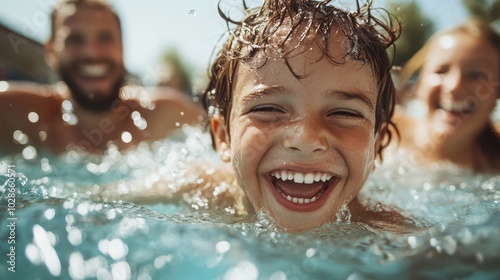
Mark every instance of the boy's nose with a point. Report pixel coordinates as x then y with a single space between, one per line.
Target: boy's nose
306 136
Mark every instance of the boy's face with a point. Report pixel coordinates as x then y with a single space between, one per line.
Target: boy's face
459 84
300 148
87 50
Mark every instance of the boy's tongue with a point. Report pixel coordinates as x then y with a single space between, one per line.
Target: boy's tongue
299 190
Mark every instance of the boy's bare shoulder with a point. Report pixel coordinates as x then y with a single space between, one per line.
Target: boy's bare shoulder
386 219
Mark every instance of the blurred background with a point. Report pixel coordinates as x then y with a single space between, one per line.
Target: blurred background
169 42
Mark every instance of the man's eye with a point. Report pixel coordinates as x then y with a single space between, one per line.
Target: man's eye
105 38
74 39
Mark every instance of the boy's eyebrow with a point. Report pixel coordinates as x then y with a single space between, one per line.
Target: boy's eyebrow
270 90
261 91
344 95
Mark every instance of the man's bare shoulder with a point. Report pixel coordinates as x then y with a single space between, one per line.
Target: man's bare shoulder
169 95
164 102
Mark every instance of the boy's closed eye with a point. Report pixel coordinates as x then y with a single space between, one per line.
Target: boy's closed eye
267 113
267 109
345 113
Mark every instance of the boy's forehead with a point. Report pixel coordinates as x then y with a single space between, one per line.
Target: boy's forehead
309 68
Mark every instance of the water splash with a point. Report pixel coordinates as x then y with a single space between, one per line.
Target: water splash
85 238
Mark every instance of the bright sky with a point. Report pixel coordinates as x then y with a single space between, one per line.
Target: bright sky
191 26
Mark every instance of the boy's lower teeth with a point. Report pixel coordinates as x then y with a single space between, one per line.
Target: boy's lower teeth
299 200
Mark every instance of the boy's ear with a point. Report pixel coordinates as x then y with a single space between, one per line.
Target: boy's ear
221 138
50 55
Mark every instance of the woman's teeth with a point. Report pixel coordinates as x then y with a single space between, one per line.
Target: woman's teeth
301 178
457 106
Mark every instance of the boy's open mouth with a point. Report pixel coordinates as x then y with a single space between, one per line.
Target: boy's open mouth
302 189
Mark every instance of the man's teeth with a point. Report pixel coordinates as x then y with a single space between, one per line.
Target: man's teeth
301 178
457 106
93 70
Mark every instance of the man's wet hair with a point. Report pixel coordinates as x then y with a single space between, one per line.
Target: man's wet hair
96 4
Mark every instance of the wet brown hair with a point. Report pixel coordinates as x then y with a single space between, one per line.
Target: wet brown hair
277 22
96 4
474 27
478 29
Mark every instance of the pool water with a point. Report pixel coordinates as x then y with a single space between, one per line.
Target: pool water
60 233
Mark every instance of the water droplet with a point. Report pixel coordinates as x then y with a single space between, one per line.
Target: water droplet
126 137
161 261
4 86
243 270
67 106
20 137
33 254
412 241
70 119
42 240
29 152
121 270
74 236
192 12
135 115
117 249
33 117
42 135
49 213
222 247
76 266
310 252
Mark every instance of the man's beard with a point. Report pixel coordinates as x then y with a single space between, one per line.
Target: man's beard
92 101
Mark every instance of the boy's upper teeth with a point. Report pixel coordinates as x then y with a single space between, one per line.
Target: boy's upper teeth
302 178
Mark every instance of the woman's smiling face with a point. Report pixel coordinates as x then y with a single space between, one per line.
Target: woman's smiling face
458 84
300 148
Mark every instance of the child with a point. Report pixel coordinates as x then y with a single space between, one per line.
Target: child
301 100
458 84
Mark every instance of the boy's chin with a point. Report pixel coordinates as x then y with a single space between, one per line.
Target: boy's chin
296 222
